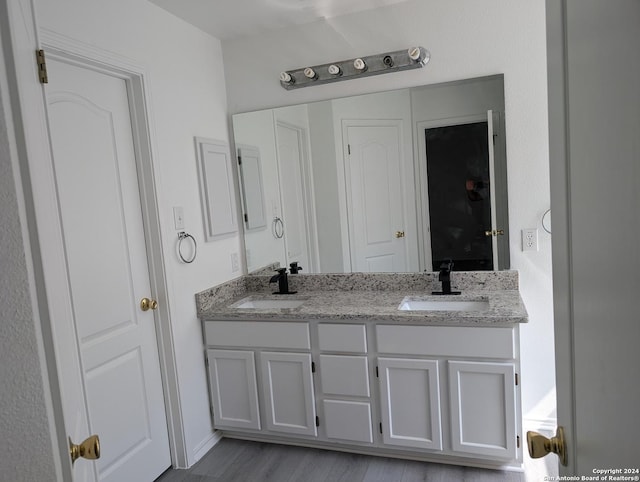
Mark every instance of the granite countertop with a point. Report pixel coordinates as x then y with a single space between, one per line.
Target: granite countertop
366 298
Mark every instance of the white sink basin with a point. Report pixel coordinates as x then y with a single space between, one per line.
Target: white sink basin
409 304
268 304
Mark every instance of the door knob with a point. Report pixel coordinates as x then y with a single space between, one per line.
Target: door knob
399 234
539 445
147 304
88 449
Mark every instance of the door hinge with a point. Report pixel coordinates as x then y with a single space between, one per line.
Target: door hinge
206 361
42 67
349 148
518 440
317 421
313 367
377 372
246 218
517 381
240 160
380 427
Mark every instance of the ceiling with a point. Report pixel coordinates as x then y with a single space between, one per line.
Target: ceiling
228 19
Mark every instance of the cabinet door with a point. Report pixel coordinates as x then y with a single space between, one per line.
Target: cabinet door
483 408
410 403
288 393
234 391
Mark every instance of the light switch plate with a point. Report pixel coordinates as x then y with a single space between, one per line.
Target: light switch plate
178 217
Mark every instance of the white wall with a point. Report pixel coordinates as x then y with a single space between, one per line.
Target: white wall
325 185
466 39
186 83
24 400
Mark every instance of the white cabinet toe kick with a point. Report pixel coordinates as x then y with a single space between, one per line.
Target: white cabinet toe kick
447 394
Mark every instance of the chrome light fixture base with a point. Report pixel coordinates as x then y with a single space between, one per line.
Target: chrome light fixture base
413 58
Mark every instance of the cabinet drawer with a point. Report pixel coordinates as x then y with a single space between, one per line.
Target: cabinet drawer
348 420
263 334
344 375
485 342
342 337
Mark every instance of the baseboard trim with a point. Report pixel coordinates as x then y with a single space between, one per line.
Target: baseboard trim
203 447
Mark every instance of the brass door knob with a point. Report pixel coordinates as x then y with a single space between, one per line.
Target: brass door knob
539 445
399 234
148 304
88 449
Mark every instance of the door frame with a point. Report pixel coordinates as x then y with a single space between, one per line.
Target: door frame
30 121
422 183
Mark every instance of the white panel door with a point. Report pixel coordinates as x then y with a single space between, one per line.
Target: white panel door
410 403
234 390
483 408
375 199
294 196
117 393
288 393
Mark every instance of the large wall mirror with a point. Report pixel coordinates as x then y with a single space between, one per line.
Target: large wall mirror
395 181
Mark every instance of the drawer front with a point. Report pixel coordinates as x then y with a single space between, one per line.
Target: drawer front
257 334
483 342
344 375
342 337
348 420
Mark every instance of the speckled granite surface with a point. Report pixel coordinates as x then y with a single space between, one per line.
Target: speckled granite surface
368 296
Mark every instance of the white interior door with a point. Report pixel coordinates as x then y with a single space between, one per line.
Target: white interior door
295 199
594 120
373 172
106 346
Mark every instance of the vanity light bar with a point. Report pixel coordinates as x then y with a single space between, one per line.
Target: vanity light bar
413 58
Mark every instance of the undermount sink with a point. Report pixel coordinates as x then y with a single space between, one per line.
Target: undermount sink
268 304
411 304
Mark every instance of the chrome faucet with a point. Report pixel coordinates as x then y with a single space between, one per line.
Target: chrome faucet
283 282
445 278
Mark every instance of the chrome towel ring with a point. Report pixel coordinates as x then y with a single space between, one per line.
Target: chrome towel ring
181 237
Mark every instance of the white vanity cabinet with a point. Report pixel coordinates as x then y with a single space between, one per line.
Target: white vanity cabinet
281 389
344 394
441 393
450 389
483 408
234 389
410 402
287 389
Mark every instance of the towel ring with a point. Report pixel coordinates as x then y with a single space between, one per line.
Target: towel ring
547 225
278 228
181 237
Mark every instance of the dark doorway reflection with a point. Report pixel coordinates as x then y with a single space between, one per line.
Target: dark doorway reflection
459 196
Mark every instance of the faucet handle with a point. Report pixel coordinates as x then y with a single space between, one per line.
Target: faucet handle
447 264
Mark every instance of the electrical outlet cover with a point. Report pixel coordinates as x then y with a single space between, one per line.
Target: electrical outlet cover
530 239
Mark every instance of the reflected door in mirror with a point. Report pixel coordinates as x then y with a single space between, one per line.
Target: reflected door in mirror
374 198
459 196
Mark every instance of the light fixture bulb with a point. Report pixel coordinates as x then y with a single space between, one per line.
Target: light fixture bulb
359 64
415 53
286 77
334 69
310 73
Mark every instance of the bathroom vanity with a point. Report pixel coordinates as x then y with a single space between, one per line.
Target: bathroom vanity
340 366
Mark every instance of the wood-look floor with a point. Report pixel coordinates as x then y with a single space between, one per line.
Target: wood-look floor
243 461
